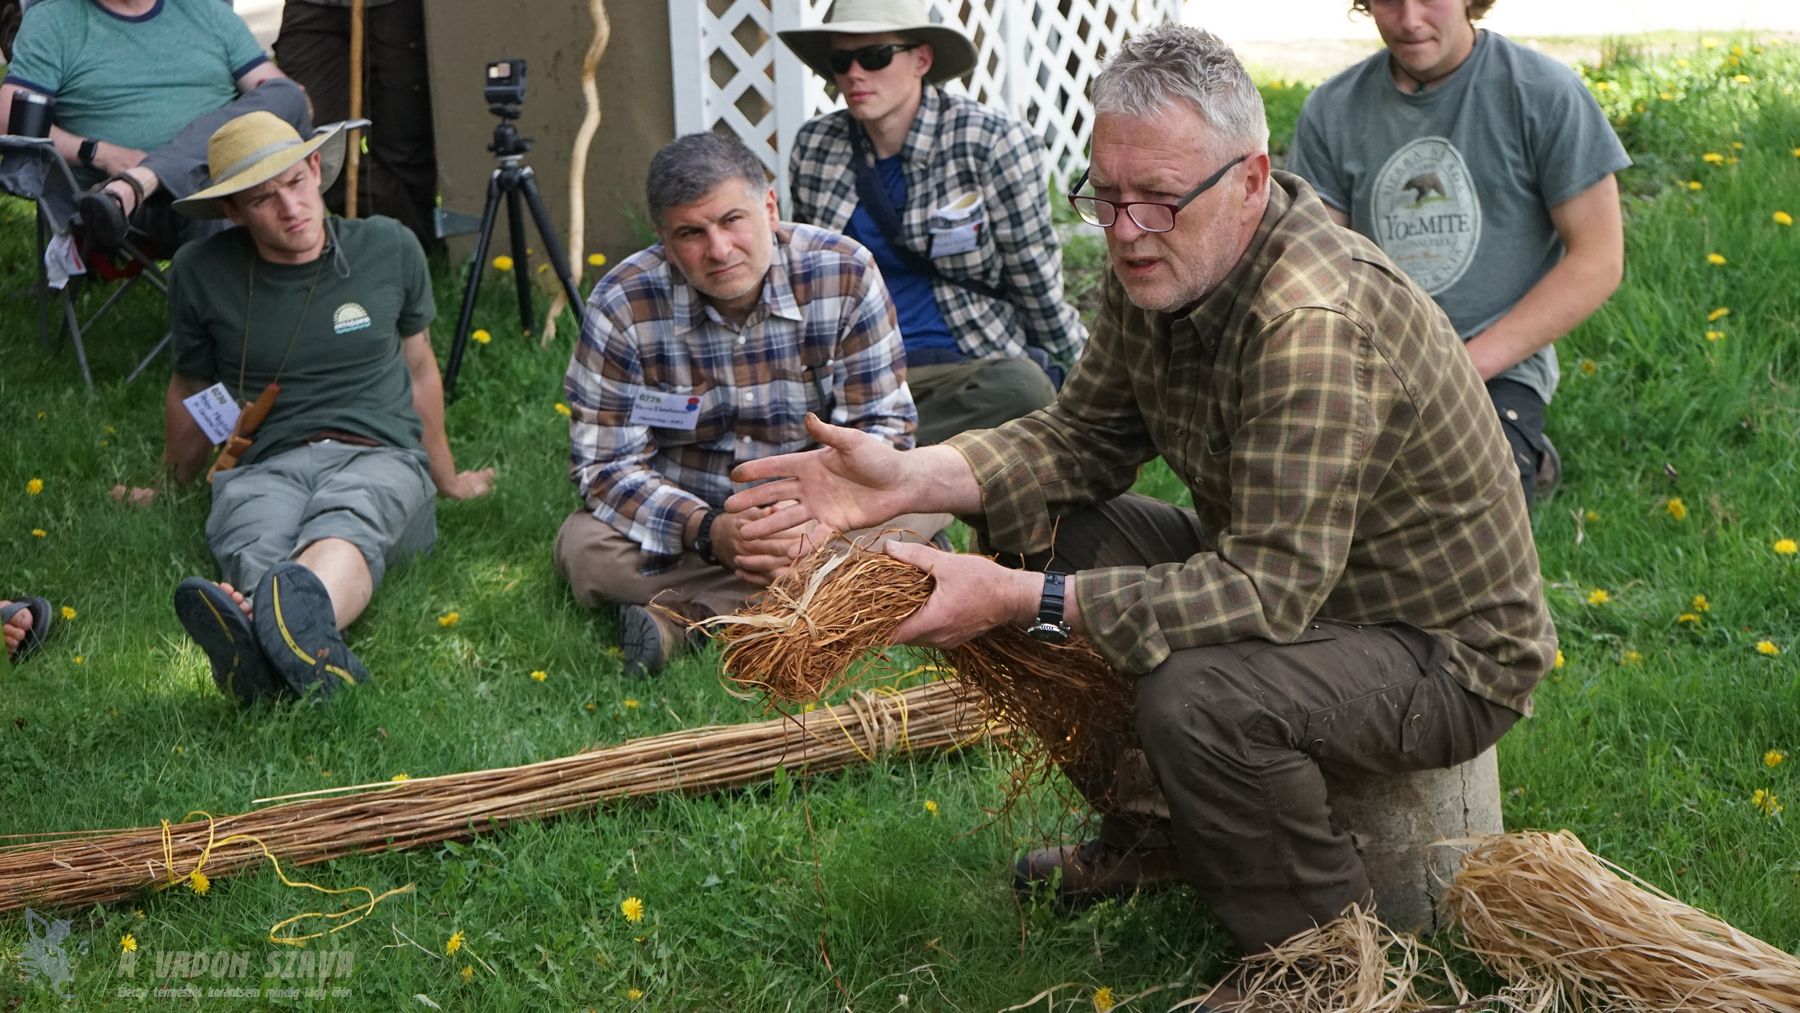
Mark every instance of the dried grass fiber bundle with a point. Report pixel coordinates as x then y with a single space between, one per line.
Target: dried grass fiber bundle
1352 965
90 867
1574 932
801 638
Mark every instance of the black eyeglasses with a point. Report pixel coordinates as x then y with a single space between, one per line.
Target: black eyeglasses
871 57
1151 216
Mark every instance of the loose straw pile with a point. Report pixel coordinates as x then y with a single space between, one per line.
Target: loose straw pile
1579 933
1354 964
90 867
800 640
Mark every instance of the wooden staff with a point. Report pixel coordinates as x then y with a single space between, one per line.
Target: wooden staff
584 138
353 163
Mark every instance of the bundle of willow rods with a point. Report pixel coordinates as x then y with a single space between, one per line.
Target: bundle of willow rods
89 867
800 639
1571 932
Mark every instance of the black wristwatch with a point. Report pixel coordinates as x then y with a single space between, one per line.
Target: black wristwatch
703 540
86 152
1050 626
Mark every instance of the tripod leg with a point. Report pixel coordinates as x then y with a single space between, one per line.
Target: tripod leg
559 258
515 221
472 286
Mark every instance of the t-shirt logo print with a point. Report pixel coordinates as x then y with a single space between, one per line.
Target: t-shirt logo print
1426 213
349 317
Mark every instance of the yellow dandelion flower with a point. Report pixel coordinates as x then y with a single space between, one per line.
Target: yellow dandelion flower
1103 999
590 706
1765 801
67 612
1718 314
1630 658
562 409
631 704
1598 596
1709 42
39 533
1667 96
634 994
80 659
480 336
33 487
198 882
541 268
1701 604
1767 647
454 943
1774 758
1796 155
468 972
931 806
1713 158
402 776
1676 508
1681 62
449 619
596 260
1560 660
1785 547
1687 617
539 675
632 908
1591 516
1741 78
1782 218
128 943
1589 367
1716 259
1715 335
1693 184
503 263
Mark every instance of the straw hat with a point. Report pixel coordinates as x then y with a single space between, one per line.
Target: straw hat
255 148
953 53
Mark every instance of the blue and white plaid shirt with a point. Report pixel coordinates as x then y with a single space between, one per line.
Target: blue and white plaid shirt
824 340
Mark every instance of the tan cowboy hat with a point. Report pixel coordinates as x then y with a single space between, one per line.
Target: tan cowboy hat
953 53
255 148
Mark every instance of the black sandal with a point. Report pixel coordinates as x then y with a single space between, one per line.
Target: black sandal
103 216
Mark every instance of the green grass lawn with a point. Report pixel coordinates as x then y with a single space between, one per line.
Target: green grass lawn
1651 742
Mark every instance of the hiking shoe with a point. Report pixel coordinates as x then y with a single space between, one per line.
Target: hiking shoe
297 630
1082 874
649 640
214 621
1549 470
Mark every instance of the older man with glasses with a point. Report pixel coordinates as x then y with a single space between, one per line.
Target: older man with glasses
949 197
1354 589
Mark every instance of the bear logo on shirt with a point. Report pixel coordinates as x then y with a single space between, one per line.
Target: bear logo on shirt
1426 213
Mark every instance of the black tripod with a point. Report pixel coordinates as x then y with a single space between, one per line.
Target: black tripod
512 177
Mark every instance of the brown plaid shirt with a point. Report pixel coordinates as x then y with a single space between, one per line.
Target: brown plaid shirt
1343 457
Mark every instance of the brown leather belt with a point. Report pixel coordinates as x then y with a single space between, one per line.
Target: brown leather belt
339 436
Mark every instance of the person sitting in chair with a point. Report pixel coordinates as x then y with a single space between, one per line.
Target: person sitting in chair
139 86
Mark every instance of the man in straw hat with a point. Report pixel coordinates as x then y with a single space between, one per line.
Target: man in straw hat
1355 587
328 319
949 197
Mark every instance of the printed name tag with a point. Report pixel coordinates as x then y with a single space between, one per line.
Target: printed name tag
956 227
214 411
665 411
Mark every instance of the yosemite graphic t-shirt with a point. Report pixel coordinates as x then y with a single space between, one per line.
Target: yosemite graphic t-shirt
1456 183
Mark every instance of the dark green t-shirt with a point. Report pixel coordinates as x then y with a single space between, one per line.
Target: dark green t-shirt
345 369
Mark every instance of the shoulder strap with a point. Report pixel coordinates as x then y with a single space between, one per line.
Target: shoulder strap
874 198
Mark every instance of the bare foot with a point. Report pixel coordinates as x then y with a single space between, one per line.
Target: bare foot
137 496
237 596
16 628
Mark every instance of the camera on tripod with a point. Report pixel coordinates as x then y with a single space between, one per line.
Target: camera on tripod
505 83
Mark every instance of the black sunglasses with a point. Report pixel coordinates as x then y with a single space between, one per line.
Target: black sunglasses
873 57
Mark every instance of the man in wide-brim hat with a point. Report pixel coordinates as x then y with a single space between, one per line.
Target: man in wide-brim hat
949 196
328 319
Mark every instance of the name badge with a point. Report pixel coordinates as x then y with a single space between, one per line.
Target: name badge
956 227
665 411
214 412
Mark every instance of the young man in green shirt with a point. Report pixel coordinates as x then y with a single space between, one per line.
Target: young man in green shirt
337 480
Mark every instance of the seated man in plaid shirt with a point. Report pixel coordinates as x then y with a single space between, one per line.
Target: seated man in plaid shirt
702 352
949 197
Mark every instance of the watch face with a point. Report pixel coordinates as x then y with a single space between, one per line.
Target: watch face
1049 633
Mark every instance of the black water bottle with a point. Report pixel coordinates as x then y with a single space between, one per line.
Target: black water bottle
30 115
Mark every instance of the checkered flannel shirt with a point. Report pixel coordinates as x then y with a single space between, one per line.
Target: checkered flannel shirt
1343 457
958 146
824 340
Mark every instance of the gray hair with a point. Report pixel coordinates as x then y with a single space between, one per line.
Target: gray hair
693 165
1176 63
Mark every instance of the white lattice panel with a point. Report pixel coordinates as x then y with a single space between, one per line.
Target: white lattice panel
1036 60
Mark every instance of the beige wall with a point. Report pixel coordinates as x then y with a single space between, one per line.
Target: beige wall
637 110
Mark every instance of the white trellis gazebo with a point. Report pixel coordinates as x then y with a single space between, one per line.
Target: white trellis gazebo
1036 59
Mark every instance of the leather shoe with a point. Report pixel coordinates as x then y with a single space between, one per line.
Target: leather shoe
649 640
1084 874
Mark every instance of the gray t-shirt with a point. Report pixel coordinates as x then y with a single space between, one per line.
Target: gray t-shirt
1456 183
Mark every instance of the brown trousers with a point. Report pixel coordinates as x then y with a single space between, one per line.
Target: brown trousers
1234 740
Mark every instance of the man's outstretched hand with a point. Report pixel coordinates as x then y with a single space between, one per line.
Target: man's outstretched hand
854 480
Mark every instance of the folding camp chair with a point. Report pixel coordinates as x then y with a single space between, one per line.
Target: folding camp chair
30 168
